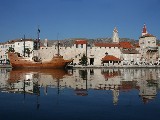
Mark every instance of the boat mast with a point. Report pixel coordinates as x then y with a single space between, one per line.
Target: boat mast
58 44
38 39
24 46
58 48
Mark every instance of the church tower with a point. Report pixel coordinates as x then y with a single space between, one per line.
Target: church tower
144 30
115 36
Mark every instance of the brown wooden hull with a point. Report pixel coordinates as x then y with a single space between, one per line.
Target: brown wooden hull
20 74
20 62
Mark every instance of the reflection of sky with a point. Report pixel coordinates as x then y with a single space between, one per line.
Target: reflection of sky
66 105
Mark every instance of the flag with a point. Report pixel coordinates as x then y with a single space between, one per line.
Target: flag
38 30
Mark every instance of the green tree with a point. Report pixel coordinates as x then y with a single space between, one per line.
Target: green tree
84 60
11 49
83 74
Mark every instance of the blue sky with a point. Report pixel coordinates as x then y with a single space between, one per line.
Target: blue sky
77 18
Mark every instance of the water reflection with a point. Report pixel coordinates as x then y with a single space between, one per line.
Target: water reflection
29 81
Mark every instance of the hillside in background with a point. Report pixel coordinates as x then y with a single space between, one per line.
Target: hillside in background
69 42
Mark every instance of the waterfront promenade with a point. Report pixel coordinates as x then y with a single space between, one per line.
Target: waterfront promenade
98 66
114 66
5 66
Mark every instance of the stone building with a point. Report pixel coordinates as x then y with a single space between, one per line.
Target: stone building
148 48
122 51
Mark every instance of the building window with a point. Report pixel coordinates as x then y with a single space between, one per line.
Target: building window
76 45
81 45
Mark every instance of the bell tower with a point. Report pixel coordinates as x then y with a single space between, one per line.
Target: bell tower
115 37
144 30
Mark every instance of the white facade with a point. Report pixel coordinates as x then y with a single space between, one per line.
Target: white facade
94 54
19 46
130 57
4 47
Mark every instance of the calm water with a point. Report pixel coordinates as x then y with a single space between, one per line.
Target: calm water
80 94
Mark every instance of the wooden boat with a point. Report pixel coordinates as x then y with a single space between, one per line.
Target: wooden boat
22 62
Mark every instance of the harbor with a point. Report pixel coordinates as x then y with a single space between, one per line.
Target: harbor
79 60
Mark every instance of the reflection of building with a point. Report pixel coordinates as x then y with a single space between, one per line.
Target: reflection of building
4 76
81 80
148 84
26 86
148 90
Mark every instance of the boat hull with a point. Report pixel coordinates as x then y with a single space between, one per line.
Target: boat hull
20 62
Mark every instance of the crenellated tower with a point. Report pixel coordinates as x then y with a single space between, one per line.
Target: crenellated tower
115 36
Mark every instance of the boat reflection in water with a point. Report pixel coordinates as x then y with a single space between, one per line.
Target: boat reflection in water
27 79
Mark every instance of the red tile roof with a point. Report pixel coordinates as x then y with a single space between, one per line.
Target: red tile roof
80 42
126 45
110 58
111 74
136 45
129 51
106 45
128 85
